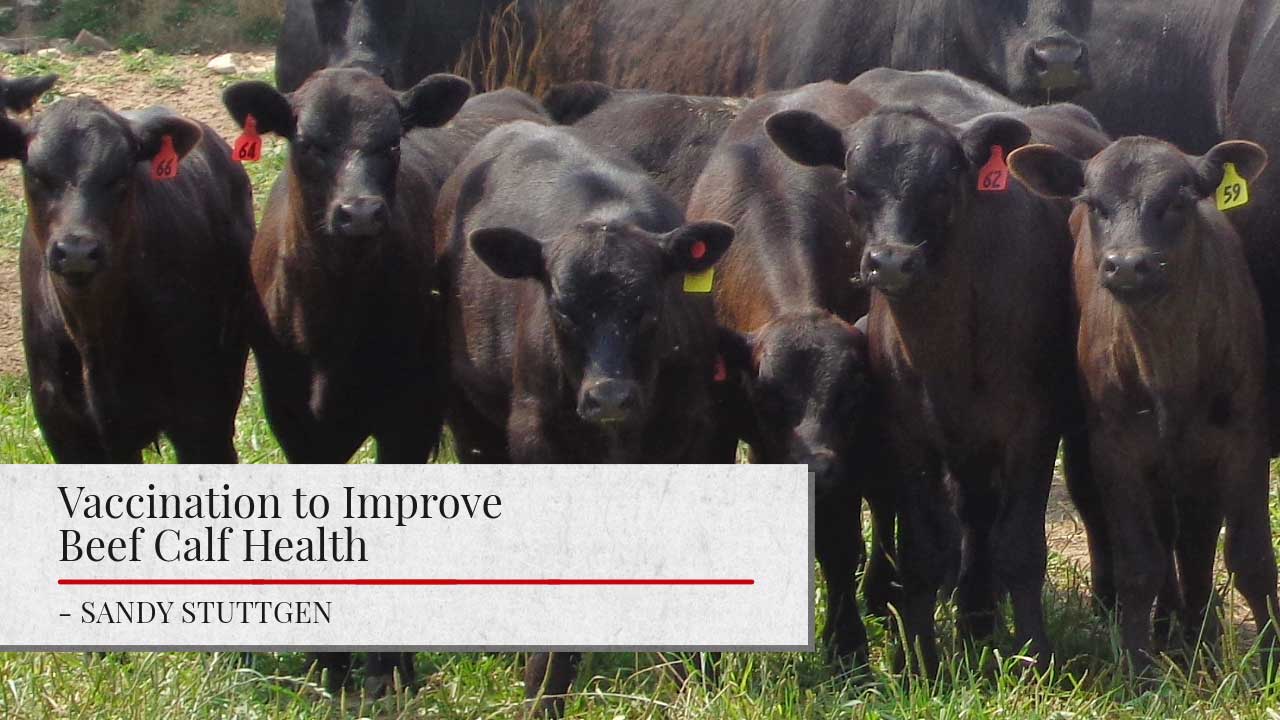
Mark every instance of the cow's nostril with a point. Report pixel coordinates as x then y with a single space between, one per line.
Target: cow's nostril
1036 59
1110 267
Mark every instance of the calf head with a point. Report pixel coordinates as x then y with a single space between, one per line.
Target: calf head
1147 204
1032 50
908 180
368 34
806 380
344 129
82 164
607 288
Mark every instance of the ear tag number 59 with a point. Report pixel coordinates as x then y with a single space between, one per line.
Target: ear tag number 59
994 176
248 147
1234 190
165 164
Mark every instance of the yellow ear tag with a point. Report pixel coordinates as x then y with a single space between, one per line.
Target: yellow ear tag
1234 190
700 283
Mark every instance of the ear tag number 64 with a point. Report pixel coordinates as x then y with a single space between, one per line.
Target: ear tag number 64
248 147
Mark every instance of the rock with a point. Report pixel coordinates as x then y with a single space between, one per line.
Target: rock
14 46
224 64
89 42
49 53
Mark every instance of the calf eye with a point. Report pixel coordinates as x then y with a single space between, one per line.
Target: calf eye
308 147
38 183
1096 207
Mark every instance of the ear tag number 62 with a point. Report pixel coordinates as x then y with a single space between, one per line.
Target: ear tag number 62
994 176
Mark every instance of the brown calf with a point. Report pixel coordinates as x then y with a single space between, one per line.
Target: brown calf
1170 351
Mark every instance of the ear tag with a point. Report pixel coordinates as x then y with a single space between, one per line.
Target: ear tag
994 176
248 147
165 164
721 371
700 283
1234 190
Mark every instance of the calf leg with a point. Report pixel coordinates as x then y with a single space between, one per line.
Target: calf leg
976 588
334 667
1087 498
1018 541
381 670
61 410
547 678
838 545
1199 524
210 442
411 444
880 579
1168 603
1139 520
411 435
1250 556
927 545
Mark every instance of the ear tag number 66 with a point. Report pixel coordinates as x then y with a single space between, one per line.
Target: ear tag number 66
165 164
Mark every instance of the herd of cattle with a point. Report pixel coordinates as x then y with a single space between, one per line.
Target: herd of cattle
880 266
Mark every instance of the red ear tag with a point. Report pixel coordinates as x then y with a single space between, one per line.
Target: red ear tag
248 147
165 164
994 176
699 250
722 372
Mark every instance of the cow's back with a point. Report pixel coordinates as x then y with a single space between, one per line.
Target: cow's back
796 246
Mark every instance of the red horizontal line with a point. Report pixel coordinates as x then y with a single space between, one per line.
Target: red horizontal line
417 582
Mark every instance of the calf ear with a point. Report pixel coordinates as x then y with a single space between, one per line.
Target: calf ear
21 93
567 103
1249 158
13 140
986 132
697 247
509 253
150 129
807 138
434 101
1048 171
267 105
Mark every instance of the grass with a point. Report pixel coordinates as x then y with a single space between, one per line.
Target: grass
1089 682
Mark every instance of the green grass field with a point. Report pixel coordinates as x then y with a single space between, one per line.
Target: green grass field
1088 681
